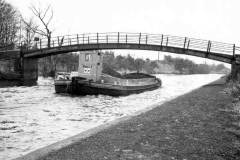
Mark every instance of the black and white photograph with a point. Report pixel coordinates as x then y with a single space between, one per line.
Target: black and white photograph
119 80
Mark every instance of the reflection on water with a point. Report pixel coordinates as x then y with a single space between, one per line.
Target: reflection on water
33 117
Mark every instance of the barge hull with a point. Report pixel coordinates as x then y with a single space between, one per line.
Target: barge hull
95 89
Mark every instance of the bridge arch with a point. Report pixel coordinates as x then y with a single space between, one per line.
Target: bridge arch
223 52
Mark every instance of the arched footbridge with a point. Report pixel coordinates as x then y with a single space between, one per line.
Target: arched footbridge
224 52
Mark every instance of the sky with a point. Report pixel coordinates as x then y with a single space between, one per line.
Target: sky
216 20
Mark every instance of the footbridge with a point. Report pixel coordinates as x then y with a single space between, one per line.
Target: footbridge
219 51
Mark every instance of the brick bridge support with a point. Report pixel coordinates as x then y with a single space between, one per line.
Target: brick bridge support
29 71
235 71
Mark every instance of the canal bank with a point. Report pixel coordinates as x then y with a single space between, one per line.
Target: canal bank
197 125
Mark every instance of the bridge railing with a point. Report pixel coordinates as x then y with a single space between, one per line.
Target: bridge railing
138 38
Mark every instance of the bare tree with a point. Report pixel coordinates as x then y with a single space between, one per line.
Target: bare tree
45 17
9 24
29 31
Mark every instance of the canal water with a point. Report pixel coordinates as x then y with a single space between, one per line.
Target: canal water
33 117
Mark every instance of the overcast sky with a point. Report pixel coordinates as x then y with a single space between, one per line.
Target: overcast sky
205 19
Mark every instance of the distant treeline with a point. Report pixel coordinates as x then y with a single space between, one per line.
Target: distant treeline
126 64
167 65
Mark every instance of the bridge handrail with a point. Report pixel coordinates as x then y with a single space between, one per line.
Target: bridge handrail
137 38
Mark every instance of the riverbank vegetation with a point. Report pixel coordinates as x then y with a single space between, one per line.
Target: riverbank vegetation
126 64
9 25
168 65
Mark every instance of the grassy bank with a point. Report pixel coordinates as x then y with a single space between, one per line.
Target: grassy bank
199 125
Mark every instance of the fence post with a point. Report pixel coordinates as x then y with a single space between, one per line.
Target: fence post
139 38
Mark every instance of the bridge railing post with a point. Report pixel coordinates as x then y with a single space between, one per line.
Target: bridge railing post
40 43
69 40
77 39
146 39
167 42
83 38
88 40
107 38
97 38
126 38
209 46
185 41
118 38
58 40
234 50
188 44
139 38
162 40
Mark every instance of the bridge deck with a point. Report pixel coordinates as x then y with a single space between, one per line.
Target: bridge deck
219 51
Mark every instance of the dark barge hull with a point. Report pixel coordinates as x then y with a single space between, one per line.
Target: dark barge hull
81 87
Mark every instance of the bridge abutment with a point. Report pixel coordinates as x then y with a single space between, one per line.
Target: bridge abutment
235 71
29 71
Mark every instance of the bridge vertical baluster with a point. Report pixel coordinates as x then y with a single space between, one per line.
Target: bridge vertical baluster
53 43
234 49
162 40
209 46
83 38
107 38
70 41
118 38
40 43
126 38
188 44
185 41
77 39
58 40
97 38
167 42
139 38
146 38
88 39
